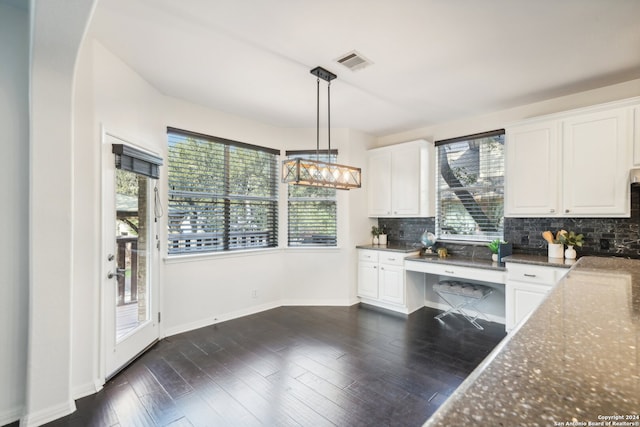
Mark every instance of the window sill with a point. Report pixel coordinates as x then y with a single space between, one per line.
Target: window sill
312 249
176 259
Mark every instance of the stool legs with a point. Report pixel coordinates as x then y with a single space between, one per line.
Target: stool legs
467 303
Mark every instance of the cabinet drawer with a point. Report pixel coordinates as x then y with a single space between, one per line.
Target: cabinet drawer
533 274
368 255
451 270
392 258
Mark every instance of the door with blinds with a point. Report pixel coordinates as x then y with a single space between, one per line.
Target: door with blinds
130 255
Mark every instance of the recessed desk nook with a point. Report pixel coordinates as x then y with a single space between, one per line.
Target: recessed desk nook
518 285
470 270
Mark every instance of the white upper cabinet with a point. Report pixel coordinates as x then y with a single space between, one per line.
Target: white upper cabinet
573 164
596 163
401 180
379 183
532 164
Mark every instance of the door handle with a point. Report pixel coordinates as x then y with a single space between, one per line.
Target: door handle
119 272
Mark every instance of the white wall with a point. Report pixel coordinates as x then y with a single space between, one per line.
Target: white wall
14 176
57 29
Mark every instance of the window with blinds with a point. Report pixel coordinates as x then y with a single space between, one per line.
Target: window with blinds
223 194
312 211
470 203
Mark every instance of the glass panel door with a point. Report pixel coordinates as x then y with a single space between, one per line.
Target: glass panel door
132 252
130 313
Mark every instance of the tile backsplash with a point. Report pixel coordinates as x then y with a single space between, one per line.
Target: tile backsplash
602 236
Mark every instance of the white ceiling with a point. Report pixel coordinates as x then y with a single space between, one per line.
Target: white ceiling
434 60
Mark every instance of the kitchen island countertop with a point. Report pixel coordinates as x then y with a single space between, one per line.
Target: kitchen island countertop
575 359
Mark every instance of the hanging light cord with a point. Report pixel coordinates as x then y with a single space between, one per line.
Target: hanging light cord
329 119
318 119
157 205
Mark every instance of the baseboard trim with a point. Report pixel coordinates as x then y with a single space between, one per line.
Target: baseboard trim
221 318
11 415
49 414
326 303
84 390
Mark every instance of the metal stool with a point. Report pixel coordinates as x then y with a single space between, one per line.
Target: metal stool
471 294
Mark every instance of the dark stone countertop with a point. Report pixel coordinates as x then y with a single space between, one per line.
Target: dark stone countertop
392 247
575 359
539 260
459 261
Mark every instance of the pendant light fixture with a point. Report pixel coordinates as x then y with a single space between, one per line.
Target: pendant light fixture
317 173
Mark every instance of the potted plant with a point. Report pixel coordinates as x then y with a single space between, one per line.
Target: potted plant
571 239
382 238
494 247
375 233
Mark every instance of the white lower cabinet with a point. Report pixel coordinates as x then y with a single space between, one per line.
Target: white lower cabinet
382 281
391 283
527 285
368 279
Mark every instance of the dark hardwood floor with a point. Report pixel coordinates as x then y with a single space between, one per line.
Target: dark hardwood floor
295 366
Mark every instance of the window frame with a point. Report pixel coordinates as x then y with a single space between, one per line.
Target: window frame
220 202
468 191
330 157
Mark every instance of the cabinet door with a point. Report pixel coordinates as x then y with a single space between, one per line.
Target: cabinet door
405 182
379 184
521 299
596 162
532 162
391 279
368 279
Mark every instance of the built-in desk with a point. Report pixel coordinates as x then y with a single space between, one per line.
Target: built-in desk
480 271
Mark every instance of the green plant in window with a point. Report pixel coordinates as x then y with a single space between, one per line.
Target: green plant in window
494 246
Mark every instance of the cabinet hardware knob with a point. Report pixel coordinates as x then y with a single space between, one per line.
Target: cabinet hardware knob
449 271
552 210
566 210
529 275
392 259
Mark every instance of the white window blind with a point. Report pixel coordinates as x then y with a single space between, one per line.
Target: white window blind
223 194
312 211
470 203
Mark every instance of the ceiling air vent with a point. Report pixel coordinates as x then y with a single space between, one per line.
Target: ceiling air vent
354 61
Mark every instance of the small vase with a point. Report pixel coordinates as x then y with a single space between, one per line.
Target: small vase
382 239
570 253
494 257
375 240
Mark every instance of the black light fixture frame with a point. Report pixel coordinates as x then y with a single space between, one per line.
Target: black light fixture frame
300 171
